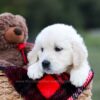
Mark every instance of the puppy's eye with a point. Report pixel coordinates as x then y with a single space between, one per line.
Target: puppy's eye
58 49
42 49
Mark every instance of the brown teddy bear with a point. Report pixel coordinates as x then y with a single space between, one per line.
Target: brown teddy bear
13 50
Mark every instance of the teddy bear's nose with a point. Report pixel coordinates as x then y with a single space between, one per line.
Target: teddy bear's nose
17 31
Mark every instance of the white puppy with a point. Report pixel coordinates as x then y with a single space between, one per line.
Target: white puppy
57 49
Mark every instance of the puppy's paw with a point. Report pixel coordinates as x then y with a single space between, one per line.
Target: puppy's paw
77 80
34 72
78 77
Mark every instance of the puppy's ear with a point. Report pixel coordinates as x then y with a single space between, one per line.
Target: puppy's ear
80 53
33 55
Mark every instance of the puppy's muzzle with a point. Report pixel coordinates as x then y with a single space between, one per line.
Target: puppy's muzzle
46 64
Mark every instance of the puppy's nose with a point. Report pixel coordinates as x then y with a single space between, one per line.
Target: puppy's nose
17 31
45 64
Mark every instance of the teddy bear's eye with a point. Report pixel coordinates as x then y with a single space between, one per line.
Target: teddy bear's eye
42 49
57 49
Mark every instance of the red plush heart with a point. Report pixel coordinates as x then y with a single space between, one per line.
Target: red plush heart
48 86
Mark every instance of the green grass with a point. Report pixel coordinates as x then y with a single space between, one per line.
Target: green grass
93 44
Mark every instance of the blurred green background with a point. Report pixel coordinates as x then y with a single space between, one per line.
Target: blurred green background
84 15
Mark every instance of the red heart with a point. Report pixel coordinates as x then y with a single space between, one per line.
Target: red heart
48 86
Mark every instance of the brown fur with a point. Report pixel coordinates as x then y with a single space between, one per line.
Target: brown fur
9 54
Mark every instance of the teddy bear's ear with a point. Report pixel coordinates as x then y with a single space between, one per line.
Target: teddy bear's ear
33 55
80 53
6 19
21 18
6 14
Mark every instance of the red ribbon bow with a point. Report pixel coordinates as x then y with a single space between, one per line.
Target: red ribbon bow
21 47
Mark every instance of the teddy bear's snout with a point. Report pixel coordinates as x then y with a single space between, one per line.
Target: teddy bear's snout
15 35
18 31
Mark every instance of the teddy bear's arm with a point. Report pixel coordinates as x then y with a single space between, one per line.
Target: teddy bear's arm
5 63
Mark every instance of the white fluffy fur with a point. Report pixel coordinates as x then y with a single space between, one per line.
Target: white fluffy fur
73 53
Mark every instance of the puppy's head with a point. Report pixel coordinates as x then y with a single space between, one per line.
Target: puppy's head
56 48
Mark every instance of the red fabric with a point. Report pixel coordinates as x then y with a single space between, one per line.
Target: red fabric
70 98
21 47
48 86
88 80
